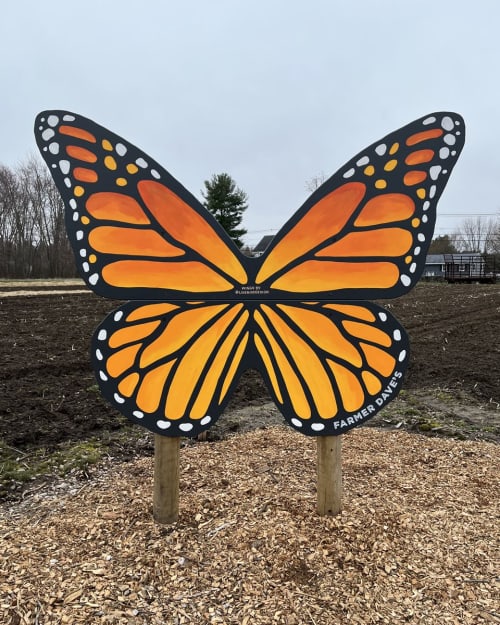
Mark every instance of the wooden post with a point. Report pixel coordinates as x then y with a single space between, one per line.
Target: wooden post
166 479
329 475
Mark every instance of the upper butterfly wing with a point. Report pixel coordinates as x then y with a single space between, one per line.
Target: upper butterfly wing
136 232
365 232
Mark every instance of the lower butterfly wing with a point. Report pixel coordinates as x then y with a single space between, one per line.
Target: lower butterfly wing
136 232
329 367
365 232
171 367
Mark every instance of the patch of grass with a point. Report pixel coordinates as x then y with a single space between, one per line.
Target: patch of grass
17 467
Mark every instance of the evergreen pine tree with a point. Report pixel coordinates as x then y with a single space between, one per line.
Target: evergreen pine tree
226 202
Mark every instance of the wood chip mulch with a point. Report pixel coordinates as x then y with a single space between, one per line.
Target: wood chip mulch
417 541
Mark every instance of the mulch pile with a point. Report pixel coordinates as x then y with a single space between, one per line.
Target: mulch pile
417 541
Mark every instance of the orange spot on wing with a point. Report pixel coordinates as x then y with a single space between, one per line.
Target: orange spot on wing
152 386
367 332
180 329
383 242
321 276
131 242
268 364
292 383
132 334
425 135
191 368
127 385
308 364
150 310
322 221
380 361
122 360
372 383
85 175
78 133
190 276
419 156
81 154
188 227
116 207
352 311
323 333
350 389
414 177
386 208
215 373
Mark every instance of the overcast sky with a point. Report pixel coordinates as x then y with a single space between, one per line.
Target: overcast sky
272 92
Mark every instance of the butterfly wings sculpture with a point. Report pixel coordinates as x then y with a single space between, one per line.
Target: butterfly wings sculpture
200 312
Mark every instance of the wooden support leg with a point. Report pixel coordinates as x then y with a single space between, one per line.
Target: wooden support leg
329 475
166 479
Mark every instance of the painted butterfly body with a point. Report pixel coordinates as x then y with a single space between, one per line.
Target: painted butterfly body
201 312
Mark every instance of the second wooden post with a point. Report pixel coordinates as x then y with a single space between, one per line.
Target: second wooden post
329 475
166 479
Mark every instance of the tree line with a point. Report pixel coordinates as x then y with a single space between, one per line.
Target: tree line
33 241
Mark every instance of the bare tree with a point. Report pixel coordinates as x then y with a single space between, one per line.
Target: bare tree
477 234
33 240
315 182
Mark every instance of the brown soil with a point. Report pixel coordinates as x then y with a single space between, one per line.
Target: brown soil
49 396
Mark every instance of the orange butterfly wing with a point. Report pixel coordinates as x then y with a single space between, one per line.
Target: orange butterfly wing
365 232
170 366
136 232
329 367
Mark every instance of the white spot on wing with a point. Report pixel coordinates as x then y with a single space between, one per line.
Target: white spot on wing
447 123
47 134
296 422
434 171
317 427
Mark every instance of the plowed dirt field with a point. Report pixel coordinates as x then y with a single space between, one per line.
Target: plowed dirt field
49 396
